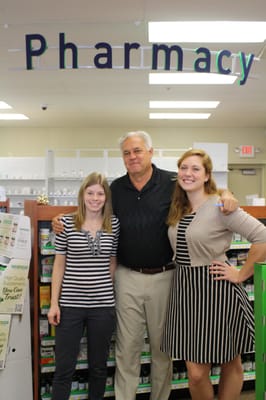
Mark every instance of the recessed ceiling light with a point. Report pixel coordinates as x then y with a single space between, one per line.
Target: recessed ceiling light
190 78
207 31
183 104
12 116
179 115
4 105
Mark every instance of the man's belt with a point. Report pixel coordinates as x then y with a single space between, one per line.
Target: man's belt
151 271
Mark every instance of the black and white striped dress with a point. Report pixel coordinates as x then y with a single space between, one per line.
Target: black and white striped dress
207 321
87 280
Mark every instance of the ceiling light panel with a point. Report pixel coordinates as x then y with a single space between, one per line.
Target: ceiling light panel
179 115
207 31
190 78
10 117
4 105
183 104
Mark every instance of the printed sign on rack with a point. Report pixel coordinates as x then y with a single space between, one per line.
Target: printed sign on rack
5 322
15 236
15 253
13 281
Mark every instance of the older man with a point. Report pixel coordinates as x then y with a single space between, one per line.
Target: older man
141 201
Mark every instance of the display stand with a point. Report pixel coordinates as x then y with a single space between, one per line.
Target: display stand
260 330
16 377
15 329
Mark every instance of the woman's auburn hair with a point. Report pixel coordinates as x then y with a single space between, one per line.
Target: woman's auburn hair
180 205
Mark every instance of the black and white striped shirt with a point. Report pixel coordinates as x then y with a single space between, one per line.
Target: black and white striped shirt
87 280
182 255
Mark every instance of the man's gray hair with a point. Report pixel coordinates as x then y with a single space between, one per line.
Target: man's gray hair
141 134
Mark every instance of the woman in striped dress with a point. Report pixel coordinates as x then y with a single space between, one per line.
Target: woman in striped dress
209 317
82 287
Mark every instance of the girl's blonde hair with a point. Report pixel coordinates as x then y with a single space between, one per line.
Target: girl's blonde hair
79 216
180 205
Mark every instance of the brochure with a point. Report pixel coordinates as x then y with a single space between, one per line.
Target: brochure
15 253
5 322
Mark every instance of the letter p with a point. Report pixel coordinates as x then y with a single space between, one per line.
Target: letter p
31 51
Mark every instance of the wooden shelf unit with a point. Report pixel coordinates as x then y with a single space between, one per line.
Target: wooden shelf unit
37 214
5 206
258 212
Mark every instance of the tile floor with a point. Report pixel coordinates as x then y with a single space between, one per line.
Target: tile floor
248 395
245 395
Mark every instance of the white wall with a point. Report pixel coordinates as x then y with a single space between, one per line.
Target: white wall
35 141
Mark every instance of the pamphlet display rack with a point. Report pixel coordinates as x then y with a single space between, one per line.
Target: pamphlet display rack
15 329
16 377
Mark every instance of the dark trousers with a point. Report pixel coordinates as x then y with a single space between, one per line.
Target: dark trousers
100 324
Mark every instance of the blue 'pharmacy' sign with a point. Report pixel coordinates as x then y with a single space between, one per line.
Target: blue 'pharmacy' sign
36 46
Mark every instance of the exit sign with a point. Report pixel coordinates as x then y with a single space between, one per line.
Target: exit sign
246 151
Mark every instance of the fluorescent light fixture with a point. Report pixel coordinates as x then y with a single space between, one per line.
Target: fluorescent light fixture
12 117
4 105
190 78
207 31
183 104
179 115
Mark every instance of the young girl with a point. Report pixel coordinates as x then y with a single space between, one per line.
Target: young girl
82 287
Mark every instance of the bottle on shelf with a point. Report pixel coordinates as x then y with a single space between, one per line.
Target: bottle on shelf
144 374
75 382
247 361
175 376
182 371
216 370
110 377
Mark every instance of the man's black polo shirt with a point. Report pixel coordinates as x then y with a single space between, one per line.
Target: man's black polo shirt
142 214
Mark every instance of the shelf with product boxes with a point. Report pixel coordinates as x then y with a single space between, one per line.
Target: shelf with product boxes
48 367
142 388
22 178
179 378
240 246
66 168
236 256
18 190
180 382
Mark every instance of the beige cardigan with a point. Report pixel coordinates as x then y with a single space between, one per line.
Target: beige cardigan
210 233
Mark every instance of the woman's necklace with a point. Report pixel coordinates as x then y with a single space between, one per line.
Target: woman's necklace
94 244
93 232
